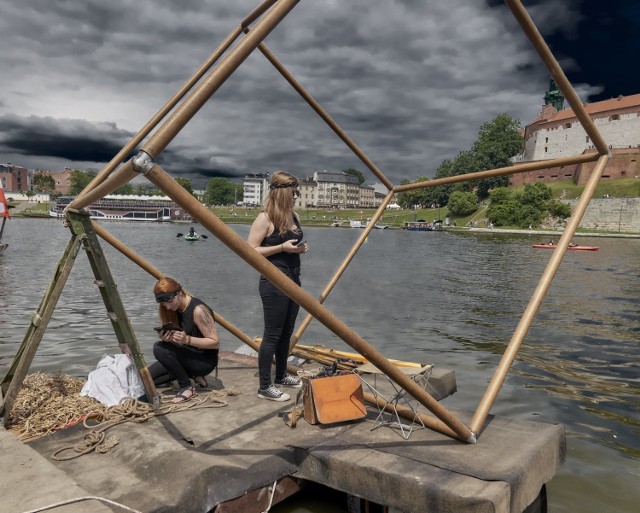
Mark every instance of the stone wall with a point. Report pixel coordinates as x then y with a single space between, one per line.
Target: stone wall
624 163
613 214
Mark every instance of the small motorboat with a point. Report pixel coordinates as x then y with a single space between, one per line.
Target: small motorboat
575 247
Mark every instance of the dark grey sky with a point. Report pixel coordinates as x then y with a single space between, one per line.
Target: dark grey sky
410 81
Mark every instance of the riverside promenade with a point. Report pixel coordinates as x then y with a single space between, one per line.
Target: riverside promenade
207 460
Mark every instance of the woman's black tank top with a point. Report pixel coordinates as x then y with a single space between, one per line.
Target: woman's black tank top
282 259
189 325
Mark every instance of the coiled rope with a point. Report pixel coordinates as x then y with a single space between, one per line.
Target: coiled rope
130 410
48 403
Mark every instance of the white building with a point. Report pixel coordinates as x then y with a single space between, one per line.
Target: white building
255 187
337 190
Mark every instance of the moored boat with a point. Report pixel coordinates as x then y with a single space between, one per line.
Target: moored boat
126 208
417 226
4 214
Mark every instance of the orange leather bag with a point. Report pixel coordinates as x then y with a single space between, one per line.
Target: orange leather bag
333 399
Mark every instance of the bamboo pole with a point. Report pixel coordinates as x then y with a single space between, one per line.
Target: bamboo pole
156 273
342 268
324 115
520 168
178 95
538 295
256 13
159 116
126 250
188 108
263 266
122 176
558 75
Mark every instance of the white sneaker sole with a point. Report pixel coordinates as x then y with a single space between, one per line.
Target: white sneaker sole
282 398
299 385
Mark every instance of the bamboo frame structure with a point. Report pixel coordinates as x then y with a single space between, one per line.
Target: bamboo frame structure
156 273
266 17
342 268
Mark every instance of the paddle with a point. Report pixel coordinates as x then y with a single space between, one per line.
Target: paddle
202 236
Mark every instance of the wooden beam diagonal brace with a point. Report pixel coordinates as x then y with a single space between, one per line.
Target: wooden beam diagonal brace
238 245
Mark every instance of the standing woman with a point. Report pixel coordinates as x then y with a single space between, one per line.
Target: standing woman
276 234
191 349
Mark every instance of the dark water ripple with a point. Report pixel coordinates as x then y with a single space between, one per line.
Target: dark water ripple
449 299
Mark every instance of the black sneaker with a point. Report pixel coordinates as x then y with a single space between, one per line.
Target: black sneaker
273 394
290 381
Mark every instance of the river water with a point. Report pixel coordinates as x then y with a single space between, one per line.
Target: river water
451 299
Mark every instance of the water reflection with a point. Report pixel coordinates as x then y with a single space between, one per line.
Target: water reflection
449 299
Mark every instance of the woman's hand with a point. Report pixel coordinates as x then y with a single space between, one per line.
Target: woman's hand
175 337
290 247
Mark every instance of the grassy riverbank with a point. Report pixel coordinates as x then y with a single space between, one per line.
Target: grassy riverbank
621 188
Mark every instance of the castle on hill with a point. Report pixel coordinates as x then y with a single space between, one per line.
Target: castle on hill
556 132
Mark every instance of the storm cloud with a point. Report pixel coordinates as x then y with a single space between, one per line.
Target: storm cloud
410 82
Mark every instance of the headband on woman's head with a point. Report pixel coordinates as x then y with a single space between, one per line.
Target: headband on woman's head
284 185
165 297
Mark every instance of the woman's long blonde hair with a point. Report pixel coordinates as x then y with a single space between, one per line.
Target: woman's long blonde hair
162 286
279 203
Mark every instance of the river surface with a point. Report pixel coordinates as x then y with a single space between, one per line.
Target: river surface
451 299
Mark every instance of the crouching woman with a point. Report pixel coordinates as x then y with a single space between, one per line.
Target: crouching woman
189 348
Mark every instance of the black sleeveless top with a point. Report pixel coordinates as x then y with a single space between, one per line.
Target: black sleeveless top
187 321
282 259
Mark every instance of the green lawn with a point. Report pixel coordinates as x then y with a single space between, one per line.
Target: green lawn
326 217
620 188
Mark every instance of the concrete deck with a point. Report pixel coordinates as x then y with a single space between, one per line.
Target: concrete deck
194 460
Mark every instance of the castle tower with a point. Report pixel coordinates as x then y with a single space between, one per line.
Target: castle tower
554 96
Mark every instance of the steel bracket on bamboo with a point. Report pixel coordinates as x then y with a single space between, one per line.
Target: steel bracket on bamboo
142 162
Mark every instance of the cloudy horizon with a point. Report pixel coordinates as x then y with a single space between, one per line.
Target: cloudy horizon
410 82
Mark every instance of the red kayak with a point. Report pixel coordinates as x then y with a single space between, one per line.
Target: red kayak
577 248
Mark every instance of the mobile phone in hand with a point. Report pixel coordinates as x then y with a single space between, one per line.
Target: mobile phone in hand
300 243
170 326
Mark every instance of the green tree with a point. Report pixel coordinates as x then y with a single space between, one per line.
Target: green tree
408 199
220 191
462 203
186 184
358 174
528 208
127 188
559 209
79 180
498 141
44 183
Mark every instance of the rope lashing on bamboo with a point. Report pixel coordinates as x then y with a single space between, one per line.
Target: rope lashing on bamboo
132 410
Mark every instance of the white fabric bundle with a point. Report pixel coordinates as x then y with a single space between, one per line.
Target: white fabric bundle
115 379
